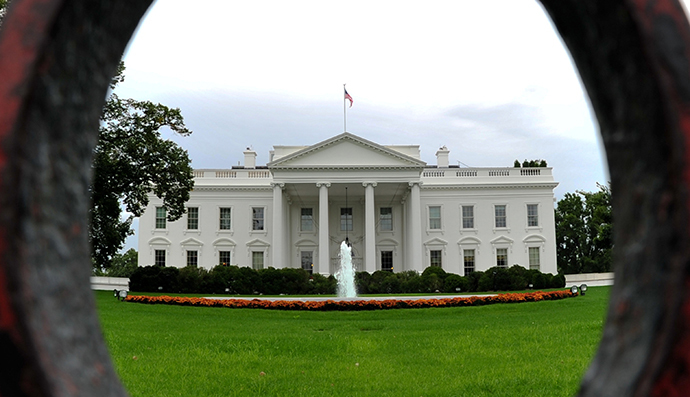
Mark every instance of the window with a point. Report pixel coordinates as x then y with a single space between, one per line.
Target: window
532 215
468 258
307 220
533 258
435 218
500 215
502 257
160 217
192 218
307 260
257 218
159 258
346 219
468 217
257 260
224 258
193 258
225 218
435 256
387 261
386 219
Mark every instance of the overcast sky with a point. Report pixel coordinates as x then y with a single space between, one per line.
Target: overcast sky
491 80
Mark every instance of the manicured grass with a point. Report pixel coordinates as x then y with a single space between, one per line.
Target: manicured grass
536 349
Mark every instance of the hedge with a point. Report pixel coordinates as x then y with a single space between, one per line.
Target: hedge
235 280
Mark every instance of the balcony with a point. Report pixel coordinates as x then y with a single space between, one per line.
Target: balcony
470 176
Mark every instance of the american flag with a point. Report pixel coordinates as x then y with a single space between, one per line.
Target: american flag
347 96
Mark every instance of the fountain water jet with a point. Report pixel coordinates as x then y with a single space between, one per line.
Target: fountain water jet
346 274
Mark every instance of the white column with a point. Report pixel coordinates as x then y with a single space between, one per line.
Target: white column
369 227
414 227
324 265
278 230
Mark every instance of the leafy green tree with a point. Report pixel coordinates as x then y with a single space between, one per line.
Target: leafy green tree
132 160
530 163
3 9
123 265
584 232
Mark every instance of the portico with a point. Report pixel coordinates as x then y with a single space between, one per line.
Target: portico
368 175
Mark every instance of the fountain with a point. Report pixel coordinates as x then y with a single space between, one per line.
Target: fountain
346 274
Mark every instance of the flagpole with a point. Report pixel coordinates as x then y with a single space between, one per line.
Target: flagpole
344 112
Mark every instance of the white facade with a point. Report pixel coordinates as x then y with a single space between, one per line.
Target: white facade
401 213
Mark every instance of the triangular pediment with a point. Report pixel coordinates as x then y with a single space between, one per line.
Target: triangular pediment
346 151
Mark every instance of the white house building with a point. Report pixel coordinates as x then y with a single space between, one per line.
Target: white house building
397 212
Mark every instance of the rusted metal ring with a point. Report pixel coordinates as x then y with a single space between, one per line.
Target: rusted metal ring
56 59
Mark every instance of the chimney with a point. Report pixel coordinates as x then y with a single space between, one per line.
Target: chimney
249 158
442 157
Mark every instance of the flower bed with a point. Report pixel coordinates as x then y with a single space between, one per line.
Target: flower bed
350 305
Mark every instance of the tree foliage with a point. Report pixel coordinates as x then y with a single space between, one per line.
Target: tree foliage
3 9
132 160
530 163
584 232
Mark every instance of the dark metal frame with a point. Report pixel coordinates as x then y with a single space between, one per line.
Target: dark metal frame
56 60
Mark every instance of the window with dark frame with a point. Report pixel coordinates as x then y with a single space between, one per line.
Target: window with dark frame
160 217
346 219
435 217
500 216
435 258
225 219
159 258
257 218
193 258
532 215
502 257
386 219
257 260
307 258
468 259
192 218
307 219
224 258
387 261
534 258
468 217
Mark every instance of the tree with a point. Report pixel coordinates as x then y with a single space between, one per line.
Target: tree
132 160
123 265
584 232
530 163
3 9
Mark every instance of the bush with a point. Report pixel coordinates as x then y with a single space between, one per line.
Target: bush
473 281
154 279
519 278
191 279
495 279
362 280
322 285
455 283
270 281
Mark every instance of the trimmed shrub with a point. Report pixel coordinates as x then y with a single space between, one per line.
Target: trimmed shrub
191 279
322 285
362 280
495 279
455 283
473 281
154 279
293 281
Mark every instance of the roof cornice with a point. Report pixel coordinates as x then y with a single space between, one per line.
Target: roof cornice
416 163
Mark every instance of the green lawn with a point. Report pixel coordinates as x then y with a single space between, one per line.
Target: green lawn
536 349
